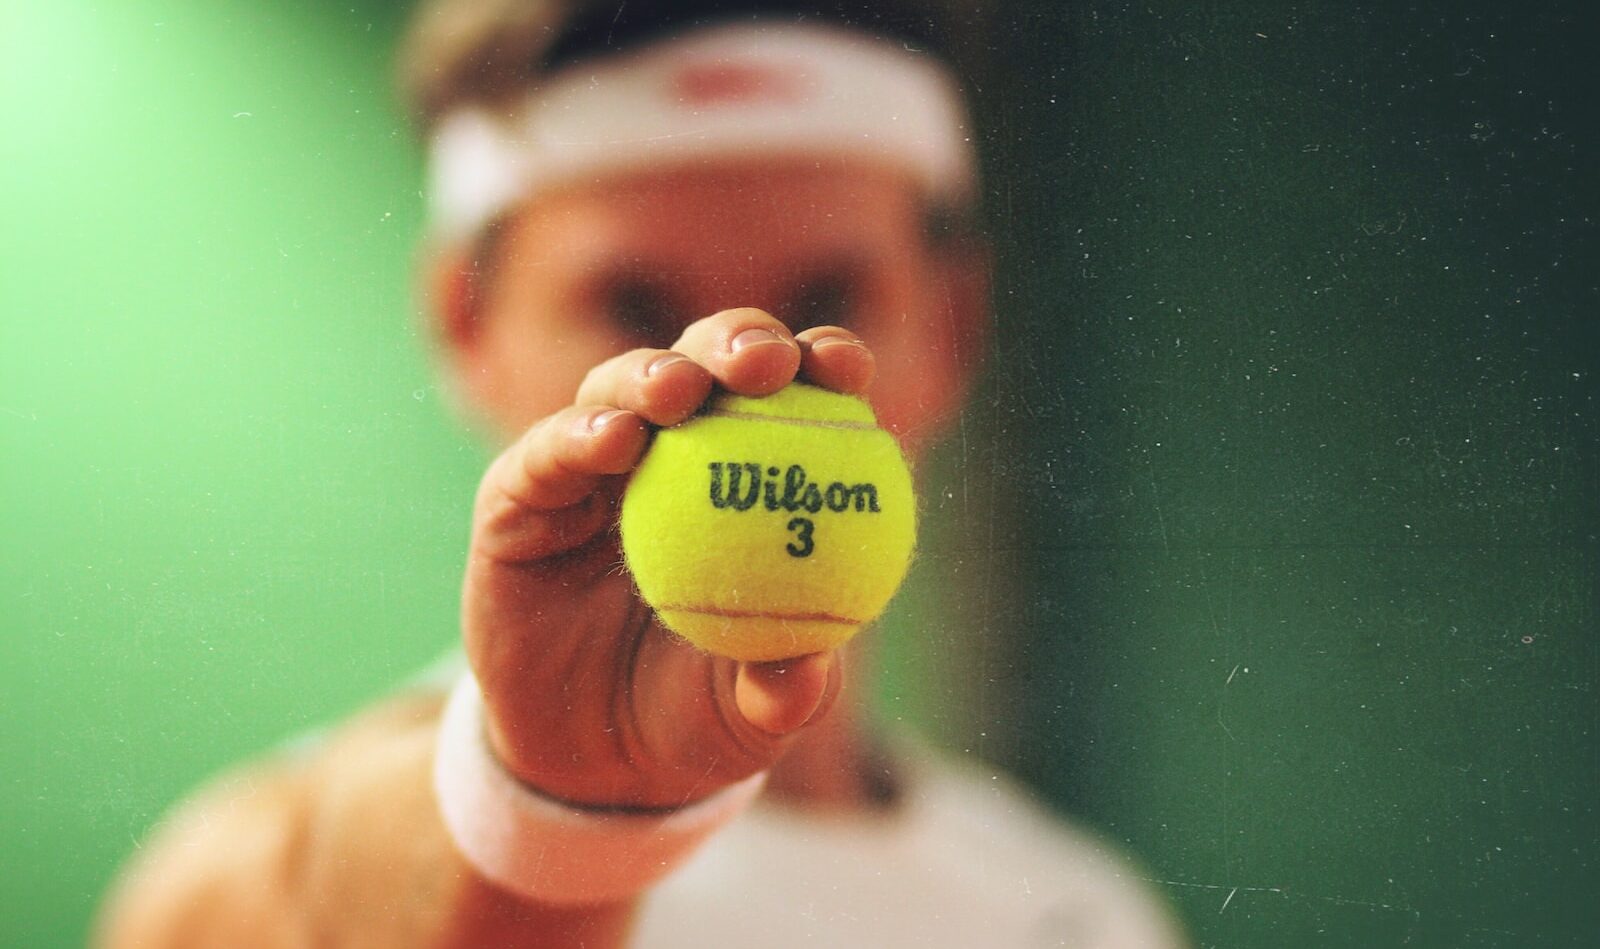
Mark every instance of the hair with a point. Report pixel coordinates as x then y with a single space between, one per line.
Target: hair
461 52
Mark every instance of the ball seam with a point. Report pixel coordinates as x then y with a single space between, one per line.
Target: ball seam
790 420
760 614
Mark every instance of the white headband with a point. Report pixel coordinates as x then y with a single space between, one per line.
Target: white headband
733 90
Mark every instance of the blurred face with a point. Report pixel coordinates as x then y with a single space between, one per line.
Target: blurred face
579 275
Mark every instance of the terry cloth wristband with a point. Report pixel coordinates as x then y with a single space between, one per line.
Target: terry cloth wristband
549 851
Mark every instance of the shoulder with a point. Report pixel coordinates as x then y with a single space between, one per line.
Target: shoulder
225 865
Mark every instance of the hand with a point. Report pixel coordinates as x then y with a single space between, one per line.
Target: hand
588 698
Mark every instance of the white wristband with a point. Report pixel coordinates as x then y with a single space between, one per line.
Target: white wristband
549 851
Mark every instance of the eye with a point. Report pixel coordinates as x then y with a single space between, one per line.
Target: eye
641 308
824 299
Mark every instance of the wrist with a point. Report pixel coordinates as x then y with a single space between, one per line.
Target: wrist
578 758
556 772
550 850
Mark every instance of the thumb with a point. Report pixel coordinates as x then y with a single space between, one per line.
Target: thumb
779 697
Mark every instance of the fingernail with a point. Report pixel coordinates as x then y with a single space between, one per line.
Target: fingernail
599 422
664 361
830 341
757 337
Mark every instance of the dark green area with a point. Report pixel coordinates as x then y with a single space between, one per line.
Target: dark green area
1290 436
1302 314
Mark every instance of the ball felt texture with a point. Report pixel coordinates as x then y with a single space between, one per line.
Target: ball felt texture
769 528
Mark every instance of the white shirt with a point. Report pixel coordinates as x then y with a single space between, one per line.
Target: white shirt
966 859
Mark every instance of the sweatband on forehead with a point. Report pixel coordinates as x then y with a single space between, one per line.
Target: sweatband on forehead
749 89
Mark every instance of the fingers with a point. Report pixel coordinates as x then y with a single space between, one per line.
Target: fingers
746 350
835 359
538 497
528 504
658 385
750 352
779 697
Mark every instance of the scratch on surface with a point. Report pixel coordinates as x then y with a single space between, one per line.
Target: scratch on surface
1222 701
1314 897
1161 520
687 795
1224 724
613 30
1231 894
1215 886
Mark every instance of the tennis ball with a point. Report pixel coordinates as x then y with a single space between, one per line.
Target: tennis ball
769 528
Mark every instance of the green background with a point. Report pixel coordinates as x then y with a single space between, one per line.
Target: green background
1274 521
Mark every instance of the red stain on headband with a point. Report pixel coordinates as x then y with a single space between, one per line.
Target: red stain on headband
724 83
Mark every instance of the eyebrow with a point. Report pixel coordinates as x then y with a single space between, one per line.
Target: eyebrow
647 262
849 263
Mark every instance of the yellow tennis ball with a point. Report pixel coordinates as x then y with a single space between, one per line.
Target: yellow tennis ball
770 528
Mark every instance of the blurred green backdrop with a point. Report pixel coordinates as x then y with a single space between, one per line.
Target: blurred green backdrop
1307 428
1292 415
232 500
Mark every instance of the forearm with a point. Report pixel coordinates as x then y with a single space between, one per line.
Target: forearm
382 861
345 849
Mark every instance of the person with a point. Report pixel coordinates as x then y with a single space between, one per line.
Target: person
633 208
